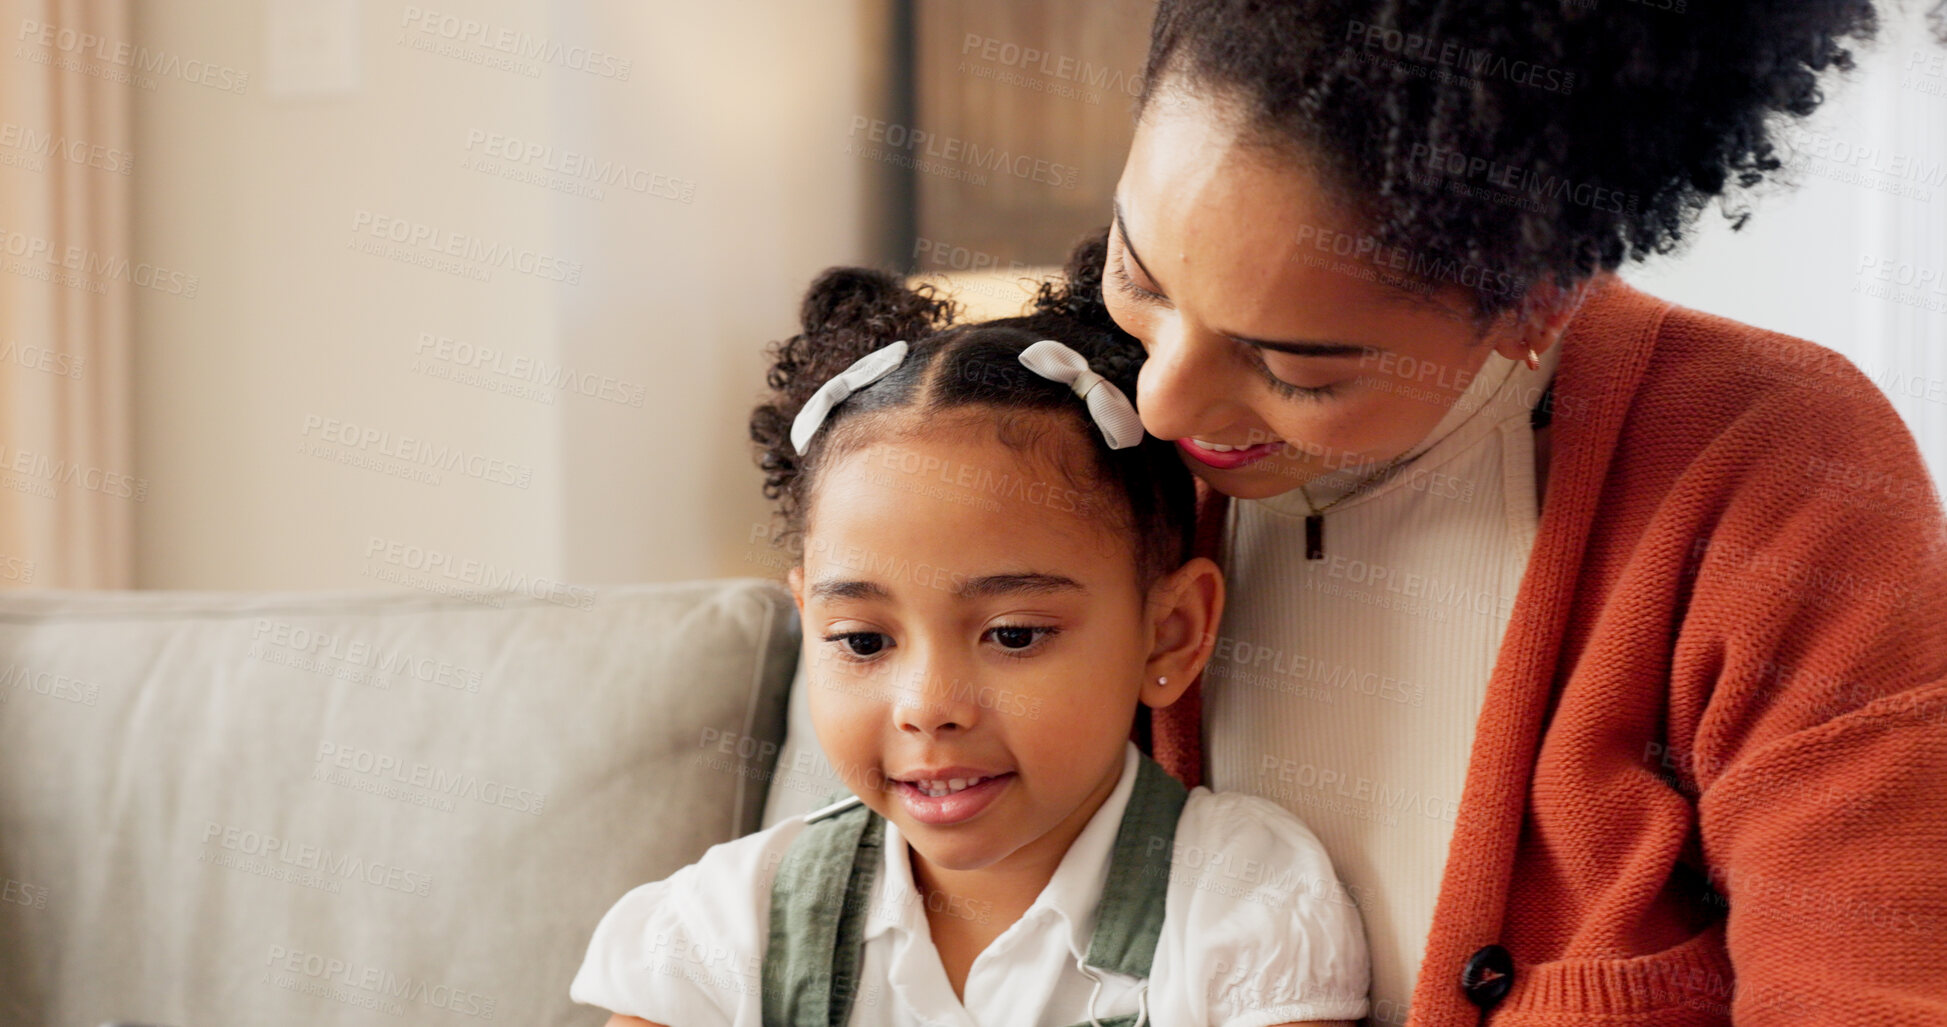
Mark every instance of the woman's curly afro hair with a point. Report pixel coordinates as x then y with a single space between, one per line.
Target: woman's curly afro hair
1526 140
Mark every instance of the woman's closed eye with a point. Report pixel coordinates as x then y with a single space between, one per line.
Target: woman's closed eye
1126 283
1288 390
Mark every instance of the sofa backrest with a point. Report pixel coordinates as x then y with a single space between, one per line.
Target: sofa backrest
361 807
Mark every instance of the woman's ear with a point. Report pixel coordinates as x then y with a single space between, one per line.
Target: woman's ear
1538 321
1184 608
794 580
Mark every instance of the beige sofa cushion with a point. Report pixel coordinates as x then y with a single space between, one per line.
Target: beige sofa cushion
361 807
802 778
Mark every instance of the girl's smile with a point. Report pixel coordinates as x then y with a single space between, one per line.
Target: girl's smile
944 797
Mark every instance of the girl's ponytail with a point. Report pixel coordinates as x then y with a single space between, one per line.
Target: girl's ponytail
1077 294
1077 297
847 313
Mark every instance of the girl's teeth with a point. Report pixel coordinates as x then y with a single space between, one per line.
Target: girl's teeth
1216 447
939 789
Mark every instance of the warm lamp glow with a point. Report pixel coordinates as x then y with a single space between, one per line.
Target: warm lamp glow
985 295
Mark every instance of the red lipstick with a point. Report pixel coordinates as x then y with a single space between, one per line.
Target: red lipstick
1232 459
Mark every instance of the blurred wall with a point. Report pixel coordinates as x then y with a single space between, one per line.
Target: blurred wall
501 298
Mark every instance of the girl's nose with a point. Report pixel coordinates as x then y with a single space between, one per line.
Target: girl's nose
935 704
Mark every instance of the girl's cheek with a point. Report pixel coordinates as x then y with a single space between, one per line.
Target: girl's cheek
838 716
851 753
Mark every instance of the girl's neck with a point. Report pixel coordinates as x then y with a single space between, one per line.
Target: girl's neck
998 894
968 909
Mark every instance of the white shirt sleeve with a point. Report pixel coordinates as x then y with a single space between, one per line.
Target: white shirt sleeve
688 950
1258 929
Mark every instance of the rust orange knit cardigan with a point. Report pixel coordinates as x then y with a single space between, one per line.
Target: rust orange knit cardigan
1709 779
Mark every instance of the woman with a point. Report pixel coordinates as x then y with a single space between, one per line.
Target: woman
1666 592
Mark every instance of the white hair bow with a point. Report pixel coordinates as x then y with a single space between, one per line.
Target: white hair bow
1112 411
863 372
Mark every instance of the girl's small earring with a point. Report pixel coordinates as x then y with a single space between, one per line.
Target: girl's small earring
1534 361
1162 681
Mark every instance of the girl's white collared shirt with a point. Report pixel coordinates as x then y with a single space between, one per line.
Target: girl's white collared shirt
1257 931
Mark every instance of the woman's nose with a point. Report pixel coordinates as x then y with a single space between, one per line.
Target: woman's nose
1184 384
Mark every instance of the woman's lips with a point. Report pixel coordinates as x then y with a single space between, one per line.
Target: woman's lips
1226 461
943 810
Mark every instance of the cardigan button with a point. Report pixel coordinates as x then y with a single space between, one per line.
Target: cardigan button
1487 976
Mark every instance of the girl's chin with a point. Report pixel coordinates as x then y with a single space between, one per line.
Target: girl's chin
958 857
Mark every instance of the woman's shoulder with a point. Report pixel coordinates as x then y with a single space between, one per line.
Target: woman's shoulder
1773 492
1703 367
1741 415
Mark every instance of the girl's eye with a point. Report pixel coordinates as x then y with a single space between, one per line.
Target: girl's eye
858 645
1019 637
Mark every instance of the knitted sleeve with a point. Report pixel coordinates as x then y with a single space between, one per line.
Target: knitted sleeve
1810 680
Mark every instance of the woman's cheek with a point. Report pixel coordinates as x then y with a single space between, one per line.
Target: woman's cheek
1333 431
1128 316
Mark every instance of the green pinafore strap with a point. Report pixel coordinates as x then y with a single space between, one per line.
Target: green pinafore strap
824 886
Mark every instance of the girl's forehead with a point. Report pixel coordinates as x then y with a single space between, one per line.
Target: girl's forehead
983 442
960 502
938 474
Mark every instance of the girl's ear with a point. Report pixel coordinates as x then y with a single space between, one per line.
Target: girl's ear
794 580
1184 608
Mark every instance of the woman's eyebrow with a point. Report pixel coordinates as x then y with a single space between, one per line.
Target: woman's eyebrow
1309 348
1297 347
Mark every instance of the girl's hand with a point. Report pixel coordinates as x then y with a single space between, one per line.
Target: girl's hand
618 1020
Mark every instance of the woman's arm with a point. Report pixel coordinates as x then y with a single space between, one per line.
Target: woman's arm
1808 712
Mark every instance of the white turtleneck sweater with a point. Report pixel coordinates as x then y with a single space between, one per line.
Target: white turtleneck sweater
1346 689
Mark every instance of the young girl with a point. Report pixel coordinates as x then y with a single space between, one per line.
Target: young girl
994 572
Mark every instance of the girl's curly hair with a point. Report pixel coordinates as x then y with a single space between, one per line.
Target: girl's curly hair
1515 142
965 379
